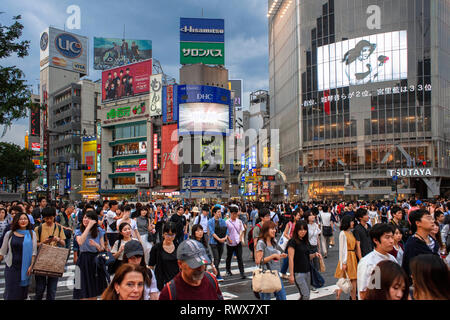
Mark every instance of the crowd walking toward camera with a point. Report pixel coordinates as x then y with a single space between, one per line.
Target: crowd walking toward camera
173 251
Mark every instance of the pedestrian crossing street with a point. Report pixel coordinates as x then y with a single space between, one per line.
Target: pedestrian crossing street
233 287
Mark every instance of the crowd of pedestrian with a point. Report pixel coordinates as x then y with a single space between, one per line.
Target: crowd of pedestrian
151 251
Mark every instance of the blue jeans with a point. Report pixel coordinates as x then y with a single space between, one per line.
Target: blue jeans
285 265
279 295
51 283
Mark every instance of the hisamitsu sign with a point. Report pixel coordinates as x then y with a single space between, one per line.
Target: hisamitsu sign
410 172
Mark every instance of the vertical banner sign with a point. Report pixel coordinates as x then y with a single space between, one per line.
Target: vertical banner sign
242 161
68 177
169 158
35 122
254 157
156 151
169 103
156 95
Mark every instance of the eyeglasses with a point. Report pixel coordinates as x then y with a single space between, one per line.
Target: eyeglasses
169 235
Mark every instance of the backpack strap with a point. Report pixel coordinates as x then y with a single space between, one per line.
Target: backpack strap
212 279
172 289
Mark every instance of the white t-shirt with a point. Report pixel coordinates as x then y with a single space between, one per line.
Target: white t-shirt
132 223
152 288
203 221
116 247
326 218
110 219
313 233
366 266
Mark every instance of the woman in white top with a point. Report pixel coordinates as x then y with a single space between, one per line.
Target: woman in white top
374 215
133 254
126 218
313 234
119 245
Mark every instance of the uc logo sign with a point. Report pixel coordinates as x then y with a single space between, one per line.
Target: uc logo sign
68 45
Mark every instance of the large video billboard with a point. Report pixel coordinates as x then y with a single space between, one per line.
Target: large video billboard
169 166
114 52
375 58
203 109
64 50
199 117
127 81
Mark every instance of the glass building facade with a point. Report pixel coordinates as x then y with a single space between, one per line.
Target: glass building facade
363 87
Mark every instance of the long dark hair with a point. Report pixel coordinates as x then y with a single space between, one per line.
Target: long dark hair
390 273
265 229
123 225
94 230
431 277
354 53
195 227
301 225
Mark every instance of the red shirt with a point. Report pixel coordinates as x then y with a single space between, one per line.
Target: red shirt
184 291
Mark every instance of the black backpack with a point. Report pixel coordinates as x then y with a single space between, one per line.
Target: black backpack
54 229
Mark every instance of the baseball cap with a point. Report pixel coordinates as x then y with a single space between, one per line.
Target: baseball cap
133 248
193 253
195 209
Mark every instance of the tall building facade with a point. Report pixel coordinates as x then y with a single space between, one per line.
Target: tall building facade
359 93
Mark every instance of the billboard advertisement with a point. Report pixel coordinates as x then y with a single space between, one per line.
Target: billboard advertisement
170 103
375 58
206 53
236 86
127 81
64 50
169 156
196 118
203 108
197 93
202 30
113 52
212 154
35 122
156 95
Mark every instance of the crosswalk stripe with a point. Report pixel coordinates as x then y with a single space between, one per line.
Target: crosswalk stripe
322 292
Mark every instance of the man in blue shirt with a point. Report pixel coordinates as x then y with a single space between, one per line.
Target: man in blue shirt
218 234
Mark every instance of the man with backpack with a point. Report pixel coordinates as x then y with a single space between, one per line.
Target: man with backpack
218 232
193 282
253 234
202 219
52 234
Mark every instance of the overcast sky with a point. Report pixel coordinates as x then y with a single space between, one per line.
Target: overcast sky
246 39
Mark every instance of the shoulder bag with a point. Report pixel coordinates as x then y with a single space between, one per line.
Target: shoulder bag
50 261
283 240
345 284
265 281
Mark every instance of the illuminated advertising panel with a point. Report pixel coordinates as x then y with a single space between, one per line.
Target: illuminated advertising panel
169 166
127 81
203 109
368 59
212 154
201 117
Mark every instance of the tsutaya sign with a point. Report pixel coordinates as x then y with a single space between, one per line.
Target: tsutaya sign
411 172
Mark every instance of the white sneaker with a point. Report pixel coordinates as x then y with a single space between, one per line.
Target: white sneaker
314 290
330 247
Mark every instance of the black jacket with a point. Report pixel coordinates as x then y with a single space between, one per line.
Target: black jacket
414 247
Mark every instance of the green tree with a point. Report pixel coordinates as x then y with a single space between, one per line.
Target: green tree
16 165
15 95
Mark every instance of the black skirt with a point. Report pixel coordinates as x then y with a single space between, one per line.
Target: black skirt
13 290
89 282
